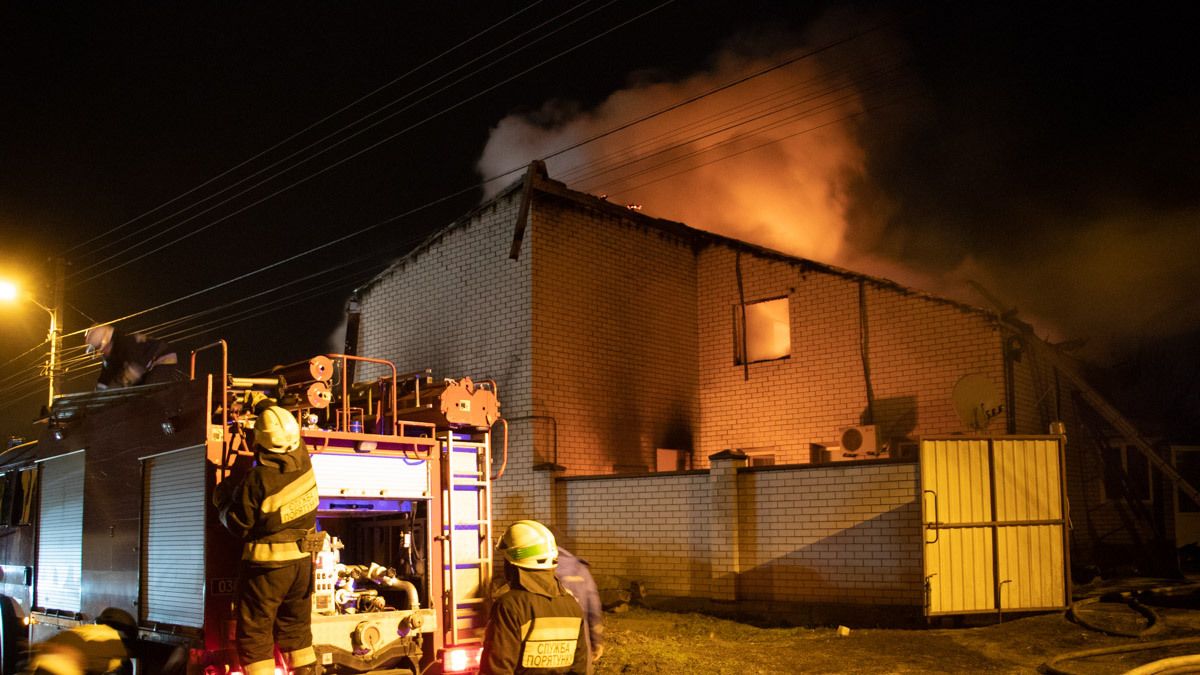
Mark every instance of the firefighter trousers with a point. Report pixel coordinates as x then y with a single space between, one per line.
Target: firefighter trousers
275 608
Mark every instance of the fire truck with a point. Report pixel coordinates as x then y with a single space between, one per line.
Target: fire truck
112 507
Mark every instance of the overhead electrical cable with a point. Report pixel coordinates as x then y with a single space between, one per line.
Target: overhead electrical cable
343 160
748 111
333 286
309 127
174 323
245 315
441 199
431 203
704 134
292 258
767 143
836 104
662 111
25 353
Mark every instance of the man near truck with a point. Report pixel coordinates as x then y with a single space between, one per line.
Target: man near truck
88 649
537 626
272 507
130 360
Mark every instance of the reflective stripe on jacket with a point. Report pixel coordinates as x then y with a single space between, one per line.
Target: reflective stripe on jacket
273 507
535 627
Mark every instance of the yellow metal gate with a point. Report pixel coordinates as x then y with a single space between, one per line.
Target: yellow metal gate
994 517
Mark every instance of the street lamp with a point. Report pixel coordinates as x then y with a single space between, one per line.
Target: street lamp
9 293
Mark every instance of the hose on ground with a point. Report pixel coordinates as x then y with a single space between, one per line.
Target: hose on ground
1178 664
1169 666
1153 625
1053 668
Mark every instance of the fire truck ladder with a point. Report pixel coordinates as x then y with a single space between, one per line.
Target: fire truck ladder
467 513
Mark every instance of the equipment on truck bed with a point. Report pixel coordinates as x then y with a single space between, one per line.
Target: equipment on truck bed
124 516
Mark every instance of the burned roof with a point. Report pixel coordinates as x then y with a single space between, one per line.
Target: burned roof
543 185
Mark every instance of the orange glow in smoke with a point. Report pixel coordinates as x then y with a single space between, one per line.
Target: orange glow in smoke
767 161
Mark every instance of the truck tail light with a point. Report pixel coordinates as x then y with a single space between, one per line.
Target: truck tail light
463 659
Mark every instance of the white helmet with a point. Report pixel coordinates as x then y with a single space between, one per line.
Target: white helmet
276 430
97 338
529 544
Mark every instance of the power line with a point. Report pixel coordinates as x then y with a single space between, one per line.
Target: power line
394 218
488 180
331 147
302 131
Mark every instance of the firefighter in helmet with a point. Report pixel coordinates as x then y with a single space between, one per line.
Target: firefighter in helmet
272 507
537 626
130 360
88 649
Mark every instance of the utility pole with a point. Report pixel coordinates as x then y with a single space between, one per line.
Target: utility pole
55 310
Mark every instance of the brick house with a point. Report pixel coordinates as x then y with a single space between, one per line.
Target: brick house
668 449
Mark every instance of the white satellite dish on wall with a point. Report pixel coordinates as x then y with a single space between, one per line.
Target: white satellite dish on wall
976 401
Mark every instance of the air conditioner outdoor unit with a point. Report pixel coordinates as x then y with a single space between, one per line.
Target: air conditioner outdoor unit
858 442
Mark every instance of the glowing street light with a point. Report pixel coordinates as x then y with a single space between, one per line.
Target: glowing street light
10 293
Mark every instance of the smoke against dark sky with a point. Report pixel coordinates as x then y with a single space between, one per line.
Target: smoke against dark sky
1022 149
1045 151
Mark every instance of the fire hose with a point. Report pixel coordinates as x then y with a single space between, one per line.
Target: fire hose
1176 664
1189 663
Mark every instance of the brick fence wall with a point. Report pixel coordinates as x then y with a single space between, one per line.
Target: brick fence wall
611 338
839 534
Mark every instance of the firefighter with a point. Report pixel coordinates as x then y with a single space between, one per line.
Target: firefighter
130 360
272 507
88 649
575 575
537 626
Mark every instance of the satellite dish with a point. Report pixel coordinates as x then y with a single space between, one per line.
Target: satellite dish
976 401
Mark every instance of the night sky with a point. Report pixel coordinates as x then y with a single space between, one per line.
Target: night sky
1049 155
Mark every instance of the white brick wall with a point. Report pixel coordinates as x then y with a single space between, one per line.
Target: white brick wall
828 534
461 307
619 337
919 348
831 534
614 337
652 529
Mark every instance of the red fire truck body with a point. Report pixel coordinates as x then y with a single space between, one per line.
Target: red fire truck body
112 507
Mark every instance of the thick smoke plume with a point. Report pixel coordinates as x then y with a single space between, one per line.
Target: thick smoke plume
855 158
769 160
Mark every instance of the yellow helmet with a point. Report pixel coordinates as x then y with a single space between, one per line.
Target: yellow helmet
97 338
276 430
529 544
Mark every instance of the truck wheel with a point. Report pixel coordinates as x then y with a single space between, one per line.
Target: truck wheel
13 637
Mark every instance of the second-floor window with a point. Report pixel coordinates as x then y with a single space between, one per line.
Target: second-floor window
767 334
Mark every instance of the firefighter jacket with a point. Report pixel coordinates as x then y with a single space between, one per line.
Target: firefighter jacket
272 507
535 627
132 357
88 649
575 575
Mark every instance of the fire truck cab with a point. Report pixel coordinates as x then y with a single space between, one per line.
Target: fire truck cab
112 507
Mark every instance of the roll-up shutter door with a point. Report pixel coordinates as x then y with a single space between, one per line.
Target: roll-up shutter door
173 530
60 534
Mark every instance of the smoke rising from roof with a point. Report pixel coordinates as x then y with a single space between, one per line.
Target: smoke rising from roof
866 156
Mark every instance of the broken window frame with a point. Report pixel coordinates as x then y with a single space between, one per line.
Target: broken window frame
740 346
1119 451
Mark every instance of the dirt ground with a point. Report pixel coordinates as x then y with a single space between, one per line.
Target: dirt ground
644 640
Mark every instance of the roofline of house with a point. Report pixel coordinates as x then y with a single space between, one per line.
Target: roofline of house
697 238
701 238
